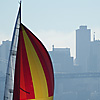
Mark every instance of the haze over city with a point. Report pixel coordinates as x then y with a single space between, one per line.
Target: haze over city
84 71
51 20
70 30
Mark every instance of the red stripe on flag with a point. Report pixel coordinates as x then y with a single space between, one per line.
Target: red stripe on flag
44 59
22 78
16 94
26 71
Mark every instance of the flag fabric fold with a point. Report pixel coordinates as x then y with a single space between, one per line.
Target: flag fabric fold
34 77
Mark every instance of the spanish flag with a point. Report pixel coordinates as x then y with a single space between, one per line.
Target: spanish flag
34 77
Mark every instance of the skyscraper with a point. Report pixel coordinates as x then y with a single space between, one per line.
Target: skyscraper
4 54
94 57
62 60
83 38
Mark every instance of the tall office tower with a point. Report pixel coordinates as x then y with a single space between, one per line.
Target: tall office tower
94 57
4 54
83 38
62 60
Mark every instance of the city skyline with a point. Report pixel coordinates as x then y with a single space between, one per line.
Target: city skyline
51 20
73 52
67 72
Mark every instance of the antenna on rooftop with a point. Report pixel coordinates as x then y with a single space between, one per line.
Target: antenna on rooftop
20 2
52 47
94 36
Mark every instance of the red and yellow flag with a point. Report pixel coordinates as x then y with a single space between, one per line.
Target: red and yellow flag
34 77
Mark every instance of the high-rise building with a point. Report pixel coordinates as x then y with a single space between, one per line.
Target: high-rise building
94 57
83 38
4 54
61 59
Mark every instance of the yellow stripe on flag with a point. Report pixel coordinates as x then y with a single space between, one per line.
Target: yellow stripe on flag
49 98
37 73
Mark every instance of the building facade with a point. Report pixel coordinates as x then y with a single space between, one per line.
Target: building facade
4 54
94 57
62 60
83 39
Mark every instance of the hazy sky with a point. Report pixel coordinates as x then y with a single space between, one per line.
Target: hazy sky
53 21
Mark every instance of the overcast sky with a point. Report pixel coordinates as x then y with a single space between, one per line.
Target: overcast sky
52 21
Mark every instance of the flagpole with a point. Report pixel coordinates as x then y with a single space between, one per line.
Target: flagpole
20 12
18 40
8 92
